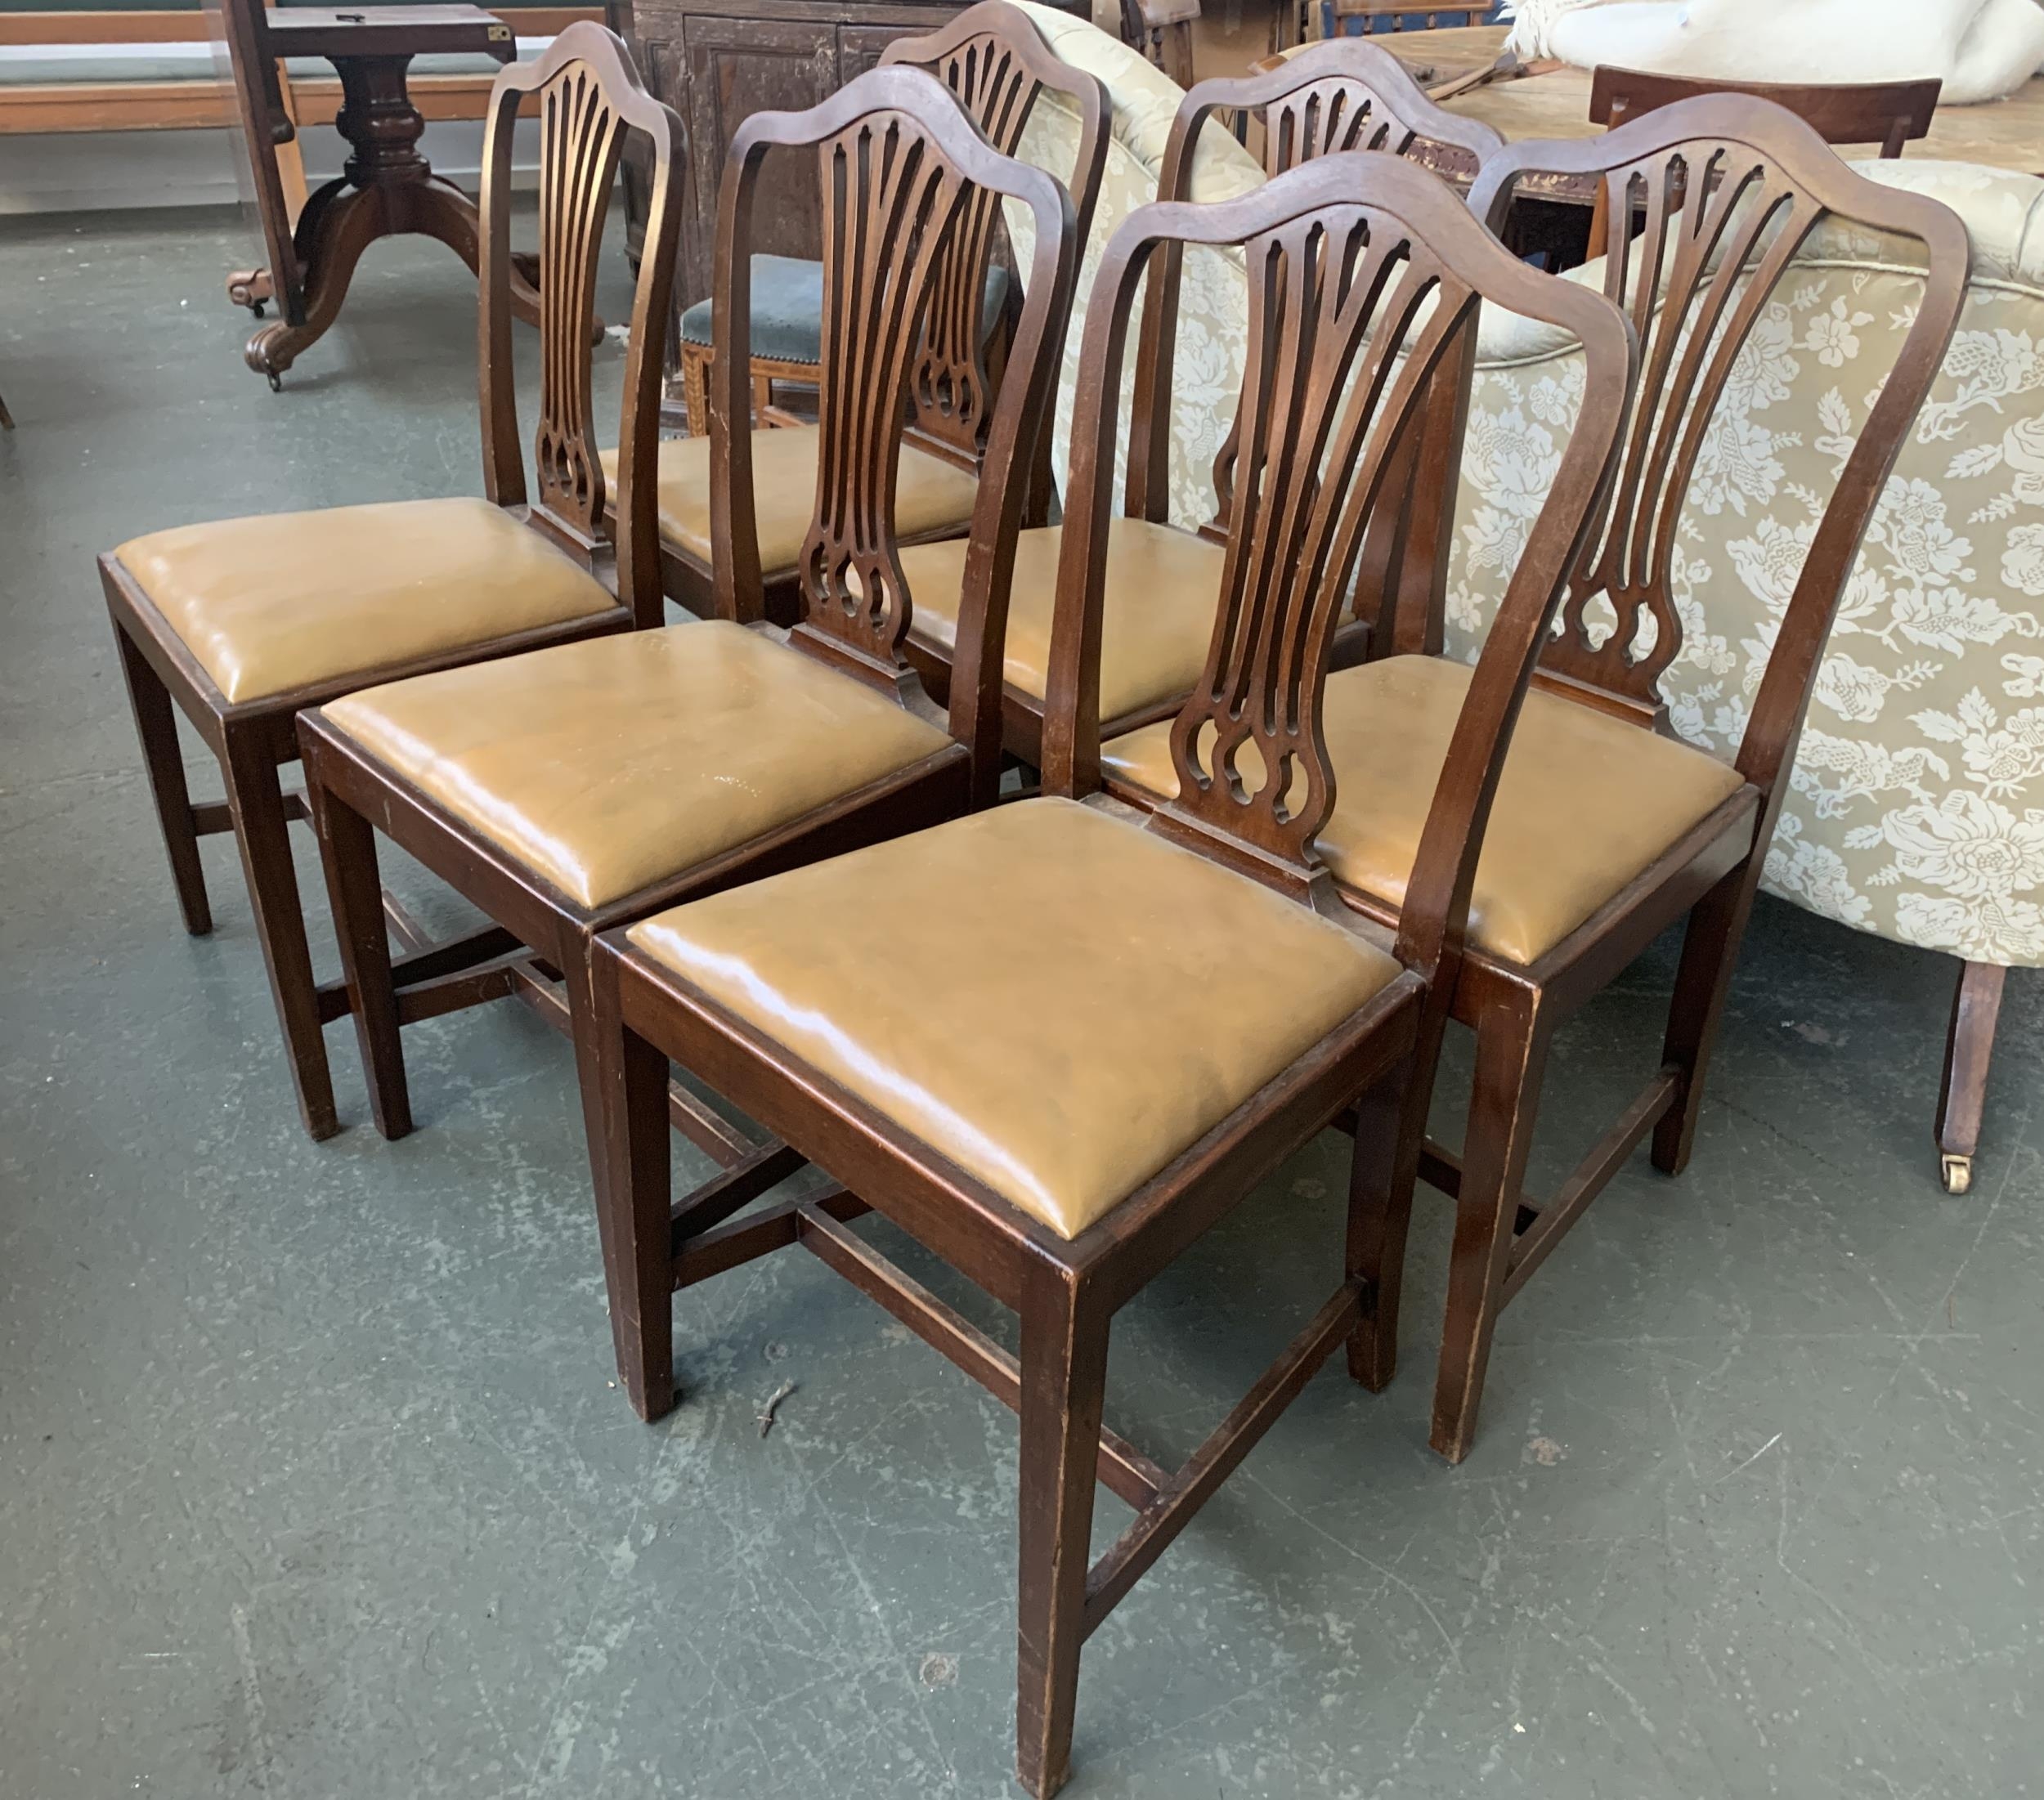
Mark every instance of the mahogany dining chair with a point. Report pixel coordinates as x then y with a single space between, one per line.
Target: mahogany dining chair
994 59
578 788
241 623
1163 581
1608 829
1056 1043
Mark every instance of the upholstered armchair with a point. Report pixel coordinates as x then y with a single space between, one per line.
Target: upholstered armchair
1917 809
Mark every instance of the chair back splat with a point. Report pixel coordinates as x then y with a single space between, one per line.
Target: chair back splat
904 178
1341 94
1365 275
1726 191
589 99
995 61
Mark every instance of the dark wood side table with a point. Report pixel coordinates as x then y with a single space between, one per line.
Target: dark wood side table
387 187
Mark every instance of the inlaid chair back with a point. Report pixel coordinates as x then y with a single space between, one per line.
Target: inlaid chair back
590 99
1340 95
1365 275
1730 189
995 61
902 171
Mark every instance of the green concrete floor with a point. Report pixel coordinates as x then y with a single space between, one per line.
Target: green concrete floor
313 1483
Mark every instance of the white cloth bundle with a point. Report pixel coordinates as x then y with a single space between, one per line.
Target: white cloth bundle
1980 49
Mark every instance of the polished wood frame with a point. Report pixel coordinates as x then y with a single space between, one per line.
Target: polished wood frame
1889 113
1354 245
253 739
1756 152
1342 95
999 64
892 243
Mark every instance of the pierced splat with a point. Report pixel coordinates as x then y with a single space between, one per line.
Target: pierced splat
1703 223
1342 94
950 386
892 204
1718 224
1326 399
581 139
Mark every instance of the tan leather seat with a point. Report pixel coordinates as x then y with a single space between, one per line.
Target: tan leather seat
608 765
1586 802
1100 999
929 494
285 600
1156 615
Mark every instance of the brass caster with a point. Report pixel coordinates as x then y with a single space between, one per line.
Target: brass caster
1957 1172
276 381
256 307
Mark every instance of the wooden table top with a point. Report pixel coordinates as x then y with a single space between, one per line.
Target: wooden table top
387 31
2003 134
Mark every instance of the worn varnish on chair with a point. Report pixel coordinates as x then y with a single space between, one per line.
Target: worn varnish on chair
1162 582
1607 831
568 792
242 623
987 1106
994 59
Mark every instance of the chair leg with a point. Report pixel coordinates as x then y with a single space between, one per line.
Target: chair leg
1511 1059
1709 952
1976 1009
1064 1390
355 893
156 724
1390 1128
255 801
623 1082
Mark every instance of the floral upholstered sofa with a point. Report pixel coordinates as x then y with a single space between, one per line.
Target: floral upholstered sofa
1916 811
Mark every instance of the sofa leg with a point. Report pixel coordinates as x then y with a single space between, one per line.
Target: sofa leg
1975 1009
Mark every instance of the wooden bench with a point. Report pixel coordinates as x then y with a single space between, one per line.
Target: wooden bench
106 97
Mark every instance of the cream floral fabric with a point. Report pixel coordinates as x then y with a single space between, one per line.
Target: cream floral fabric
1916 803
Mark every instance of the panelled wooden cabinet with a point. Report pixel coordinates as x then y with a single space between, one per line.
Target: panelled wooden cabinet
718 61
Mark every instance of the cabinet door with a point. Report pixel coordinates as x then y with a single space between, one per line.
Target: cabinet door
738 67
859 47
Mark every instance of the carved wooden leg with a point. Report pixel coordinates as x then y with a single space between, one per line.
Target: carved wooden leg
156 724
1064 1390
255 801
1709 953
347 227
1511 1058
355 892
695 387
624 1082
1976 1009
